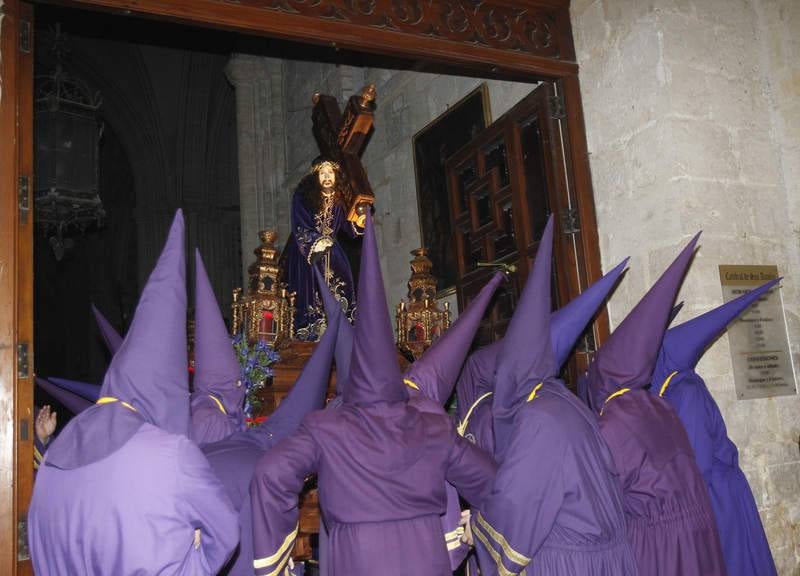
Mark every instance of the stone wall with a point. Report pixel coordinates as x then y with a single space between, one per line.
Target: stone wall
693 120
275 154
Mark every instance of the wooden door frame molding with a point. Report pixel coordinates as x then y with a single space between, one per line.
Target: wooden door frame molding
523 40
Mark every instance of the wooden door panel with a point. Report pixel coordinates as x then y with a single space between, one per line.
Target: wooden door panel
503 186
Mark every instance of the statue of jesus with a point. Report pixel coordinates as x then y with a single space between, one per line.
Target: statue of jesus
319 212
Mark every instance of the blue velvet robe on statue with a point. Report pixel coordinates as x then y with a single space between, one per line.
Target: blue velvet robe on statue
306 232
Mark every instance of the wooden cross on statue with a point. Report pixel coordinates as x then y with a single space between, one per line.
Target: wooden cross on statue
343 137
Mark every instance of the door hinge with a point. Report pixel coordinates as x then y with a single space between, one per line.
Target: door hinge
23 365
23 198
22 540
570 221
25 36
555 104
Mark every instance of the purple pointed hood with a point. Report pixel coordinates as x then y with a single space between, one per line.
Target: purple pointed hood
69 400
111 337
374 372
216 368
526 357
685 344
627 358
344 339
435 372
90 392
568 322
147 380
566 325
309 390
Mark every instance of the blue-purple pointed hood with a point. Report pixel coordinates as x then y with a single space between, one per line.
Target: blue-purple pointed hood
685 344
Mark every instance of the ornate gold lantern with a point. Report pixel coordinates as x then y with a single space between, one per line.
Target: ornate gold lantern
420 320
266 312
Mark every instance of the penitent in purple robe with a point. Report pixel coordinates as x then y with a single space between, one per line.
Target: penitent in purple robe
476 382
744 544
555 507
670 522
122 490
218 396
234 458
381 464
431 379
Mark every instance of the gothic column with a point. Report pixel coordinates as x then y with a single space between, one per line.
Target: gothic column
258 83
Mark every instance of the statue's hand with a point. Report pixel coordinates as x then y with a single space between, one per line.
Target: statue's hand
321 247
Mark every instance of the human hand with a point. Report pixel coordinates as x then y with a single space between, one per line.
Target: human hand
466 537
46 421
197 538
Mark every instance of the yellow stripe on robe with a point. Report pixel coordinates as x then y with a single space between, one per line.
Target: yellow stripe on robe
260 563
462 426
219 404
501 568
410 383
665 384
512 554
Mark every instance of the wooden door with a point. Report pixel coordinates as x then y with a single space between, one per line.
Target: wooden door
16 283
502 187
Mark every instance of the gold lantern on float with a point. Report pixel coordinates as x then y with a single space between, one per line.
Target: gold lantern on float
266 312
420 321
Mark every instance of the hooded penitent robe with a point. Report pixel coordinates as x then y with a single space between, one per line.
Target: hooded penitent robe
431 379
218 395
380 463
122 490
555 507
235 457
670 523
476 383
744 544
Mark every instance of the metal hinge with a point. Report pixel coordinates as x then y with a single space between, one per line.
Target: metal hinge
22 540
23 198
555 104
25 36
570 221
23 366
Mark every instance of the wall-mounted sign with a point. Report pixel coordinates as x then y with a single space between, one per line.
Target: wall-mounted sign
762 363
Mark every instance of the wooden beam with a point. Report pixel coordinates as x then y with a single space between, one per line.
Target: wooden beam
508 45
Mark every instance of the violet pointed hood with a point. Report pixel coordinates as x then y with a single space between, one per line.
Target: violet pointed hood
526 357
111 337
436 371
217 371
344 338
90 392
627 358
147 380
69 400
374 372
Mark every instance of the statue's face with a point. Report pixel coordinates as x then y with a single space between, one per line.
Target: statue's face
327 177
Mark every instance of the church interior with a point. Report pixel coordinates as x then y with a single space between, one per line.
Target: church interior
634 125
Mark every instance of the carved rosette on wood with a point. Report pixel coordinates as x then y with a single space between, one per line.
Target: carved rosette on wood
527 27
